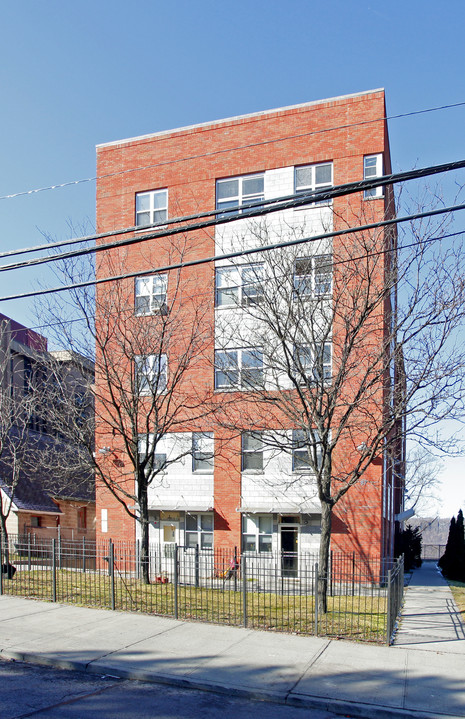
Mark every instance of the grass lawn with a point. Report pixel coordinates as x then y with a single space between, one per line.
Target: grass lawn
458 592
359 617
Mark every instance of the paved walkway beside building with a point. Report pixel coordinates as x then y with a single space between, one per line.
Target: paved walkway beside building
354 679
430 619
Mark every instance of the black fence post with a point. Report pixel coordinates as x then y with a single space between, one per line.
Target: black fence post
236 565
176 579
197 567
315 594
54 570
1 561
83 555
244 588
331 573
29 552
111 569
389 608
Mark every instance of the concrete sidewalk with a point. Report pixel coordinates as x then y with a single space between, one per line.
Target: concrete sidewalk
430 620
353 679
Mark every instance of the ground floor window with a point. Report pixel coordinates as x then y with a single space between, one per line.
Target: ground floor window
199 530
257 531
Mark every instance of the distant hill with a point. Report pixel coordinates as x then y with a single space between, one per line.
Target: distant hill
434 530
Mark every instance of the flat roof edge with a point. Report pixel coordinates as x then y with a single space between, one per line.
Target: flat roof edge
212 123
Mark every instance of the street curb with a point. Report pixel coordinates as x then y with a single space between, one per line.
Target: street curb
356 710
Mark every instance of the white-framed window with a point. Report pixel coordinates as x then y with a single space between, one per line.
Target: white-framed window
257 532
145 444
150 294
373 167
242 285
252 452
313 362
151 207
151 374
237 191
203 452
239 368
199 530
301 452
310 178
104 521
313 276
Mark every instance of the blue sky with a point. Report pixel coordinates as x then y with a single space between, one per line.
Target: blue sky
73 75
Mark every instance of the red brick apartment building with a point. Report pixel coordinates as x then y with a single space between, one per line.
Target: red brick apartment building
218 483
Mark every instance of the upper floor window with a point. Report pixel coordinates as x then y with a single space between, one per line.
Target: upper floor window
239 285
237 191
151 374
150 294
145 445
301 461
373 167
313 276
151 207
203 451
314 177
239 369
313 362
252 452
199 531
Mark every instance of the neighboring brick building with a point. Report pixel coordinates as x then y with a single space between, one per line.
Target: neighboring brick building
225 490
36 503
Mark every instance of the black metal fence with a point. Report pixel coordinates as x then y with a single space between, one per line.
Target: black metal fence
274 591
432 551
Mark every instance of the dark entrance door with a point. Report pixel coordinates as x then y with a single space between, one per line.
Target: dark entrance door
289 551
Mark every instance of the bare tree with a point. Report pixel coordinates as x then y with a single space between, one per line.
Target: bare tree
354 349
422 478
148 338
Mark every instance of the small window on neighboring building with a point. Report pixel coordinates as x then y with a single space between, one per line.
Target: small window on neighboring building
257 532
203 452
252 452
35 521
151 207
373 167
104 520
199 530
82 518
150 294
237 191
311 178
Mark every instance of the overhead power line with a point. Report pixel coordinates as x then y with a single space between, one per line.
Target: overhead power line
239 253
230 149
221 216
285 275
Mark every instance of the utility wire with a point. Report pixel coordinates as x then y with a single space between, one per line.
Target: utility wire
284 275
226 215
231 149
239 253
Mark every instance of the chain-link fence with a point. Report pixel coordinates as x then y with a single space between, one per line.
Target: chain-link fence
274 591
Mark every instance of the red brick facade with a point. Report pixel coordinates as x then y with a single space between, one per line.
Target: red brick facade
188 162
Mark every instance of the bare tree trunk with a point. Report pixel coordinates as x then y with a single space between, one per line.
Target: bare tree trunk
5 548
144 545
323 565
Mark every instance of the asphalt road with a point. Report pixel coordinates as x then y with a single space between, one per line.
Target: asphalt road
46 693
